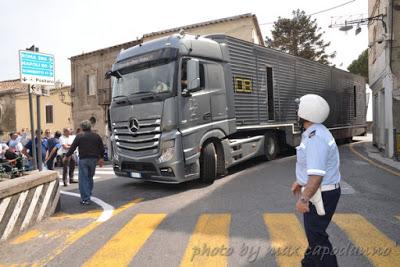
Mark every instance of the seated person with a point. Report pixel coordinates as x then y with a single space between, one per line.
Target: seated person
160 87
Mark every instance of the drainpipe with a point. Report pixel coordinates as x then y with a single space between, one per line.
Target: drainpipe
388 85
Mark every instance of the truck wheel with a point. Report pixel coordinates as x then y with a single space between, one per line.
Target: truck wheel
208 164
271 146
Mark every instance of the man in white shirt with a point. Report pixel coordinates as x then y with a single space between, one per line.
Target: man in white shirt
68 165
3 149
14 144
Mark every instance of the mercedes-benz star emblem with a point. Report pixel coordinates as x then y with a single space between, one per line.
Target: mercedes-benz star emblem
133 125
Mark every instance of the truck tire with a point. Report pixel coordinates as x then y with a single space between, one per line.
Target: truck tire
208 164
271 146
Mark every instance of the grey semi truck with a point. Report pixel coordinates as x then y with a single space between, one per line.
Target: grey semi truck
186 107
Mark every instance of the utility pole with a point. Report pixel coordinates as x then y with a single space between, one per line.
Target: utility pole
39 135
34 155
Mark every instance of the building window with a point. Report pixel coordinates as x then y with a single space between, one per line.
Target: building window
91 84
49 114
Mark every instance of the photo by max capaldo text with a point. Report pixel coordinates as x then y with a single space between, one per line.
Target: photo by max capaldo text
252 253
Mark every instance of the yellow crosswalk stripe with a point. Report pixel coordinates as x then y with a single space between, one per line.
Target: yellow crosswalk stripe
287 237
75 236
375 245
208 241
123 246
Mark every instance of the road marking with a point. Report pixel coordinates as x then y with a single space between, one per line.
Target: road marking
369 239
212 230
26 237
123 246
75 236
287 238
105 172
346 189
107 208
92 214
15 214
352 149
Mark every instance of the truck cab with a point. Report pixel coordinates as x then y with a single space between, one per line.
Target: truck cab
169 99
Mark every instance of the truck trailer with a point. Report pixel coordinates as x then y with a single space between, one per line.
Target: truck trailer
186 107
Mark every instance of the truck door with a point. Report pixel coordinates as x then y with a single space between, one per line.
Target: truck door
195 109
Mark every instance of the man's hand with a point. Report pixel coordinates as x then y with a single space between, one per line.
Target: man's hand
302 207
101 163
296 188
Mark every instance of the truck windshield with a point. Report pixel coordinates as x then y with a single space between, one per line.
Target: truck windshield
155 79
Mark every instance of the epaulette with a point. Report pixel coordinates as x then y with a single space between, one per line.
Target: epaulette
312 134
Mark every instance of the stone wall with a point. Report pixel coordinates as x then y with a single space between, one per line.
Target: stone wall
7 112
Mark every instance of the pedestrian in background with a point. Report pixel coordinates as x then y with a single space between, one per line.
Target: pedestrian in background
318 177
3 149
24 136
91 151
14 144
27 150
53 145
66 141
47 134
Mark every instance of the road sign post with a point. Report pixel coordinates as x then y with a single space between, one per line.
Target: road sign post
36 69
34 155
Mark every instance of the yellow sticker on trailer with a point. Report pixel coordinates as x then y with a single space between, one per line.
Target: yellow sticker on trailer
243 85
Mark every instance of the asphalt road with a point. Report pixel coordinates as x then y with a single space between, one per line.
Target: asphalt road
246 218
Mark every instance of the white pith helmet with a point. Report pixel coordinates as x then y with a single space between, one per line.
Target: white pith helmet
313 108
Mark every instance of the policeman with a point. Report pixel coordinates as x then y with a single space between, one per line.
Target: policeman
317 170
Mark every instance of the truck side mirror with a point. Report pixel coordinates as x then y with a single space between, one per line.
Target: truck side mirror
108 75
193 75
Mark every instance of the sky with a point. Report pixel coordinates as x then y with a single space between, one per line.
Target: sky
71 27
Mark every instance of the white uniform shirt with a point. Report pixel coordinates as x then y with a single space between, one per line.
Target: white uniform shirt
318 154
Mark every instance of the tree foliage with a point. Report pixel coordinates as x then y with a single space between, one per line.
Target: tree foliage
360 65
300 36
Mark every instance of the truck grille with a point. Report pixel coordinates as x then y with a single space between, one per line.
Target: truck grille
144 141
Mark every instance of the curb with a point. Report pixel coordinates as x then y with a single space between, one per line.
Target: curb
374 162
27 200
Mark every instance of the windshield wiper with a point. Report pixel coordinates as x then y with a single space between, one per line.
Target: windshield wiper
122 101
150 95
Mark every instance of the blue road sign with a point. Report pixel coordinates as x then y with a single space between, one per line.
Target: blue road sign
36 68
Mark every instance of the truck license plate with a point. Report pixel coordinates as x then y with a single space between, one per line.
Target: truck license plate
136 175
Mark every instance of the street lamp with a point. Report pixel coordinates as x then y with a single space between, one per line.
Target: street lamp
348 24
62 97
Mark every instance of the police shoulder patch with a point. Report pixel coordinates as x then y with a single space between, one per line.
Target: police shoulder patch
312 134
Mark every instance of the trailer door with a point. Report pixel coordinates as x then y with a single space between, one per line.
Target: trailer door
270 94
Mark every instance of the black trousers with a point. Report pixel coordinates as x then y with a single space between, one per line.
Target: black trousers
69 168
319 251
50 164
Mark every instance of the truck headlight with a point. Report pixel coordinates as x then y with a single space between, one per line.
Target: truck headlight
167 150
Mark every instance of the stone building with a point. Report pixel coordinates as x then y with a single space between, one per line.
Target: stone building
384 71
14 107
91 93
